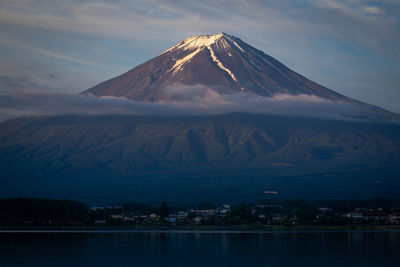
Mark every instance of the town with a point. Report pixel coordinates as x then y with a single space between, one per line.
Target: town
261 214
23 212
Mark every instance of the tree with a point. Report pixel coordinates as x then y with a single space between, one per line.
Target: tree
243 212
137 208
42 211
306 214
164 211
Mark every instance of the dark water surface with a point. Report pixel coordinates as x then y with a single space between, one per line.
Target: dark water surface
119 248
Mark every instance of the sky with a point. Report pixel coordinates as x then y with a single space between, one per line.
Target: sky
352 46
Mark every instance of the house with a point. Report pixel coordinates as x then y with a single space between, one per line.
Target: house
356 215
253 211
394 218
224 209
277 218
117 216
325 210
264 206
377 216
182 215
96 208
114 207
198 220
128 219
205 213
171 219
154 217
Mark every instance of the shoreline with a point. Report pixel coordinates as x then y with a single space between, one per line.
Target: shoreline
206 229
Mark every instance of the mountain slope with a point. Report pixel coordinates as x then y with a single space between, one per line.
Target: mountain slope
223 62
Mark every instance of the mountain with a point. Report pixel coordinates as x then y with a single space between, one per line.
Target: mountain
227 65
233 157
209 158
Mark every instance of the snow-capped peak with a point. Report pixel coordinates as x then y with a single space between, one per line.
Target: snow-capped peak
201 41
198 43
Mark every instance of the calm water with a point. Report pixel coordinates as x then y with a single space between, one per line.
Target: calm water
356 248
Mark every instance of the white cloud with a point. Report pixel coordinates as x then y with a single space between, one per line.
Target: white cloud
196 99
373 10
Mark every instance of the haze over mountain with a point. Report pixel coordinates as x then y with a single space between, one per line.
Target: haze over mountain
225 65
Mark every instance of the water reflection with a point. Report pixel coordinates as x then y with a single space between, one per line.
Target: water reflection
355 248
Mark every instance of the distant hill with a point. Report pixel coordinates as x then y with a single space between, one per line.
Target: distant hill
66 153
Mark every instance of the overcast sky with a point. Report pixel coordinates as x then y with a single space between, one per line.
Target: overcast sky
350 46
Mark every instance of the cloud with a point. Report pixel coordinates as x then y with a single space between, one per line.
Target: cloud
154 20
25 77
206 100
373 10
39 103
44 52
193 100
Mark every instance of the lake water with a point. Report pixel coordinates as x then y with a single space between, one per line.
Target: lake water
173 248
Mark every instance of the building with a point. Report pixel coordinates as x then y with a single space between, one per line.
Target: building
205 213
325 210
96 208
117 216
376 216
182 215
198 220
277 218
394 218
154 217
171 219
128 219
224 209
356 215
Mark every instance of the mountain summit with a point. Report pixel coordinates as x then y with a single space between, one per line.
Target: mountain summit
225 64
221 61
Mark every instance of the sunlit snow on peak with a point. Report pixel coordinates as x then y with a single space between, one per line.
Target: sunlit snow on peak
200 41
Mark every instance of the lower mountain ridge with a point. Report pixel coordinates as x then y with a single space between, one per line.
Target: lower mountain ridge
234 155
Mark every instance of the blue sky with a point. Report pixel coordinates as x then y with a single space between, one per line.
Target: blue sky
352 47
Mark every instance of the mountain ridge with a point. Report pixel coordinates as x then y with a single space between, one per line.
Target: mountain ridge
227 157
214 141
